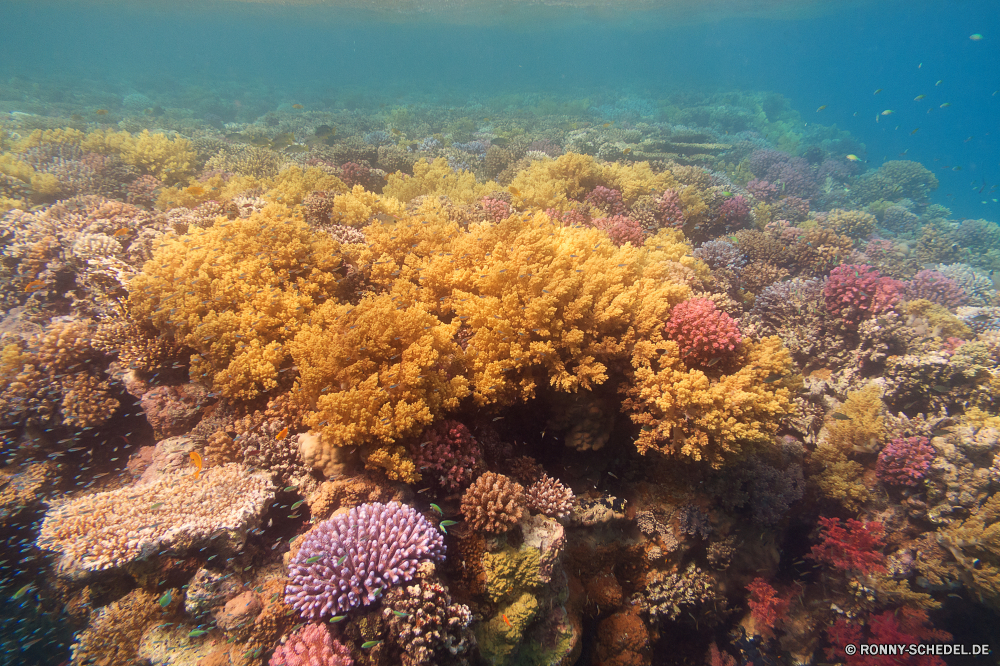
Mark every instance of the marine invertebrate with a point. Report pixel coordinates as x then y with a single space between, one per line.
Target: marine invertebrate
854 292
550 497
426 626
684 413
171 514
449 452
702 332
856 224
349 560
171 160
493 503
767 608
621 229
667 596
896 180
437 178
904 461
311 645
936 288
607 200
854 546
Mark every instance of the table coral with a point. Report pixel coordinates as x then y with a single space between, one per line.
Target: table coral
174 513
349 560
684 413
236 293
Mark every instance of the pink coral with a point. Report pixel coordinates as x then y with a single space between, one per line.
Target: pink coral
668 210
497 210
905 461
702 331
856 291
357 174
449 452
621 229
763 190
311 646
734 213
937 288
607 200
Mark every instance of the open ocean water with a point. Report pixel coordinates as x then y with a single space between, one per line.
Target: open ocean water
508 333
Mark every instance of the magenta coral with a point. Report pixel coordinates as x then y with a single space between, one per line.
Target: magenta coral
449 452
734 213
702 331
905 461
856 546
621 229
357 174
311 646
497 210
668 210
937 288
607 200
856 291
763 190
350 559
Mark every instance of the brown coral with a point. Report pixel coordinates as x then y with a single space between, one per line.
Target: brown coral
550 497
493 503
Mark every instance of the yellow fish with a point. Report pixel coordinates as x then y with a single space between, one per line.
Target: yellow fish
627 151
34 285
283 434
918 98
944 105
821 108
606 125
101 112
513 190
124 231
198 463
888 112
854 158
296 106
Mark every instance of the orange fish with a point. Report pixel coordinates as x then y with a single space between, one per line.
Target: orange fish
504 616
283 434
513 190
198 462
101 112
34 285
296 106
627 151
124 231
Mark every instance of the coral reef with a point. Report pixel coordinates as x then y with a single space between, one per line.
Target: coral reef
493 503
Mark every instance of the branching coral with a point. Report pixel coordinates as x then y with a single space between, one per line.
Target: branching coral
702 332
437 177
311 645
236 293
904 461
424 623
493 503
853 546
550 497
449 452
685 413
169 160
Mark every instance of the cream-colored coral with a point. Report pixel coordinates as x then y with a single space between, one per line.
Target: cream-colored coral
170 514
493 503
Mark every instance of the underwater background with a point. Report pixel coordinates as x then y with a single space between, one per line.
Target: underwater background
499 333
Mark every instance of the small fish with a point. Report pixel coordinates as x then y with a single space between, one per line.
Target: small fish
341 560
939 82
156 506
945 105
198 463
166 599
888 112
34 285
853 158
975 37
606 125
314 558
338 618
124 231
727 194
283 434
444 524
101 112
941 432
841 417
506 621
289 489
820 108
877 91
918 98
20 593
296 106
914 131
197 632
437 508
773 377
513 190
297 505
370 644
400 613
957 168
940 388
712 361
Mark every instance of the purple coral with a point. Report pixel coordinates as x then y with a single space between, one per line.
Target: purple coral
763 190
449 452
937 288
350 559
904 461
856 291
793 173
734 213
311 646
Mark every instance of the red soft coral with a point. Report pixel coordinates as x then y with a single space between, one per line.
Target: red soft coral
856 548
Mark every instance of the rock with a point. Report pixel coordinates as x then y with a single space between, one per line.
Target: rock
173 410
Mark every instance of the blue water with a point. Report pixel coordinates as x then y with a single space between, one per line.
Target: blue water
834 55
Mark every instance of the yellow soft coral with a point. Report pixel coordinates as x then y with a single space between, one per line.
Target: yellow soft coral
437 178
39 137
357 207
237 292
685 413
555 183
292 185
170 160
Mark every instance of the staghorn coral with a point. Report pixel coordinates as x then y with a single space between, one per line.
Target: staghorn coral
493 503
683 413
236 293
350 559
550 497
171 514
425 624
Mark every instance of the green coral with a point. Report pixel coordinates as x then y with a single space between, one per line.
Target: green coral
500 636
510 571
